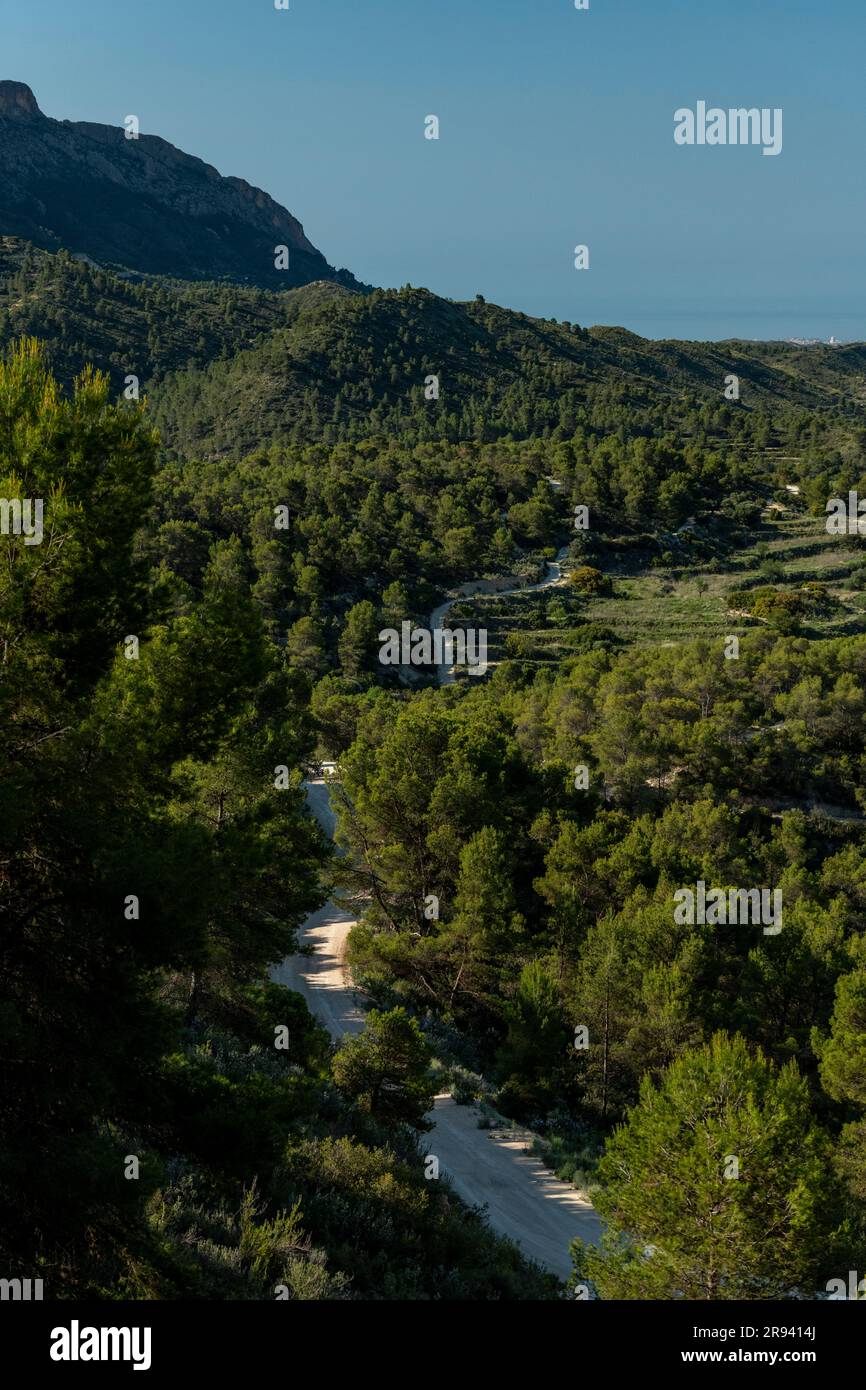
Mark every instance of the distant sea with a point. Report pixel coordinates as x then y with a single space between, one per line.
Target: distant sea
749 325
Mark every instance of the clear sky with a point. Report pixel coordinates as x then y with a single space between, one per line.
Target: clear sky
556 129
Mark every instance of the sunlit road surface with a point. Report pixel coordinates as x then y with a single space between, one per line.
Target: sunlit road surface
524 1200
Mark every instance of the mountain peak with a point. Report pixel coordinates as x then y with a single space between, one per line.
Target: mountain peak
17 99
142 205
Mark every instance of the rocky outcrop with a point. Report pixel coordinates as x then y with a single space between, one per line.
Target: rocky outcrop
141 204
16 99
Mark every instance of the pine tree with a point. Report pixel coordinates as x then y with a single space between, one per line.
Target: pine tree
717 1186
387 1069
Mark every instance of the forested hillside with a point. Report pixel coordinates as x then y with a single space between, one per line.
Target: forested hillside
252 366
129 324
200 624
170 1124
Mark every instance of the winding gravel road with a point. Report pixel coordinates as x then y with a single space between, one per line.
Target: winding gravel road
488 1168
553 576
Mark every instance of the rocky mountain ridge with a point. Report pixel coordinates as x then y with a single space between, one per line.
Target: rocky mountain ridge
140 204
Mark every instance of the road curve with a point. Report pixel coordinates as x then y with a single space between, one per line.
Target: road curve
477 587
323 977
490 1168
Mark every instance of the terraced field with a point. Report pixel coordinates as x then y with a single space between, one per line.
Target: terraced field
648 605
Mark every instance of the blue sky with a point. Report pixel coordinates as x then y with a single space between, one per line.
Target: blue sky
556 129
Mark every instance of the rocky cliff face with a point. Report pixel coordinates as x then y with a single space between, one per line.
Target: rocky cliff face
141 204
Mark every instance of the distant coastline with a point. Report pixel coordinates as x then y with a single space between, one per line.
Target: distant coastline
809 328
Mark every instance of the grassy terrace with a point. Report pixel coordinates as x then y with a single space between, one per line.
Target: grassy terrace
651 605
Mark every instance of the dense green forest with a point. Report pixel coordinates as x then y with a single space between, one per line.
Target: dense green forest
151 872
219 557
